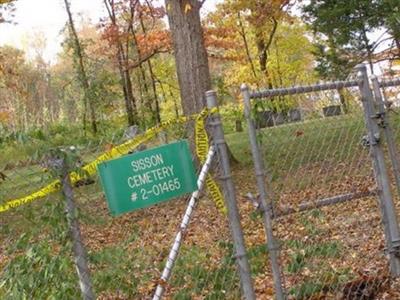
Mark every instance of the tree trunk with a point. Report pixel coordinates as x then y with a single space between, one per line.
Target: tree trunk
146 98
154 88
262 53
190 53
246 45
157 115
123 66
82 72
131 108
127 88
263 47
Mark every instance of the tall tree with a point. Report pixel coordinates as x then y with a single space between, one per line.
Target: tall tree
26 92
156 109
122 55
135 29
190 53
82 76
346 24
233 49
257 22
14 84
334 62
342 29
264 18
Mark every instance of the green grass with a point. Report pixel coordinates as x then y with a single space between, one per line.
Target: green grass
23 181
22 157
308 156
330 139
311 261
285 148
118 269
39 273
194 273
39 262
287 145
315 258
327 280
305 254
294 145
258 256
43 268
219 280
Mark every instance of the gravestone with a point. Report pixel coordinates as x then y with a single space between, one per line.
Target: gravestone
332 110
264 119
238 126
279 118
294 115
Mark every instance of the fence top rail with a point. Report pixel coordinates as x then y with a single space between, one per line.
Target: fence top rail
389 82
303 89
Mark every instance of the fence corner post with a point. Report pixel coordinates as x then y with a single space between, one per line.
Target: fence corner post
273 249
79 252
388 210
230 199
387 130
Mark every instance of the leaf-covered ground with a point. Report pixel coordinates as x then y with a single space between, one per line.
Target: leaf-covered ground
335 252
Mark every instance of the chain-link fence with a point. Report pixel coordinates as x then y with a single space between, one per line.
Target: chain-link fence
125 255
318 215
320 171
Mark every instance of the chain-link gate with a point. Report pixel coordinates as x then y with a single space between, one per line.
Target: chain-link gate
116 258
324 185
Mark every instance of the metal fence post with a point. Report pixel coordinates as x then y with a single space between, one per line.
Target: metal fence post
388 132
77 245
372 120
173 254
266 205
230 194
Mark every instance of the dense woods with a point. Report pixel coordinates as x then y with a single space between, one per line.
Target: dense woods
144 62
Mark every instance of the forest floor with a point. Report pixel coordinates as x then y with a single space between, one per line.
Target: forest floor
334 252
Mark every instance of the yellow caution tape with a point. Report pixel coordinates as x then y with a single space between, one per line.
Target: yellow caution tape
130 145
91 168
216 194
201 138
51 188
202 144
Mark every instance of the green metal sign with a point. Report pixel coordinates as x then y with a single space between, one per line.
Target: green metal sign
149 177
